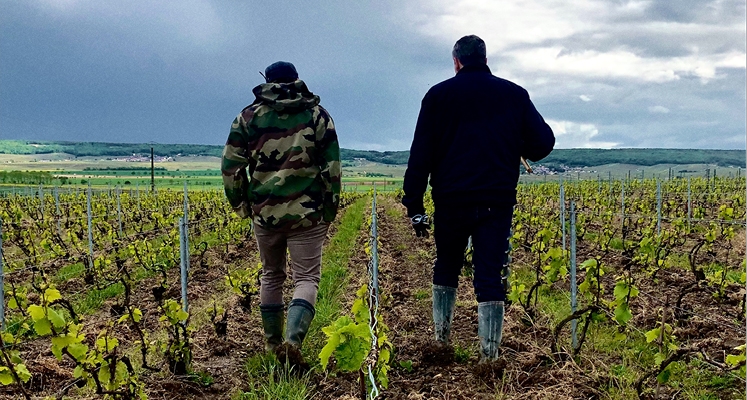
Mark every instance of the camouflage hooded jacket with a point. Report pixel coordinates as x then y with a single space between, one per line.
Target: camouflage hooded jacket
281 163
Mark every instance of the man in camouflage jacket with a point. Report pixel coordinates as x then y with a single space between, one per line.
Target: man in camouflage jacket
281 166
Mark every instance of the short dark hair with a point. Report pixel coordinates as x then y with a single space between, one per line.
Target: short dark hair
469 50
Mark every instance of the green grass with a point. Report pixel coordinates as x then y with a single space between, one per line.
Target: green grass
335 274
395 213
461 354
272 380
422 294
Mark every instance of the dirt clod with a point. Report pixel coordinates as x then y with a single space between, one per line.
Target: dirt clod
292 357
490 371
437 353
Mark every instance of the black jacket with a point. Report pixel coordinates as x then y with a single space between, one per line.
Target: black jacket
471 132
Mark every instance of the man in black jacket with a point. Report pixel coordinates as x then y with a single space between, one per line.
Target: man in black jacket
471 133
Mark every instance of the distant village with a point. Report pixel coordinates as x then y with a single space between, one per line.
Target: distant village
143 158
132 158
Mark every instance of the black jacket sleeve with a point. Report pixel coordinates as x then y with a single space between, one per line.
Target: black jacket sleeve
421 159
537 135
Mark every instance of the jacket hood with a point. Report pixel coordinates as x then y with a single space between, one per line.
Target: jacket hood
286 97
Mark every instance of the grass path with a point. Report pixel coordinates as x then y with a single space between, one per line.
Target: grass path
270 379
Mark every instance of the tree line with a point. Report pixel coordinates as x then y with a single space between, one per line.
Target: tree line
556 160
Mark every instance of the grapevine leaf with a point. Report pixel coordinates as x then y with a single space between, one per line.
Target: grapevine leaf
361 291
350 355
121 372
43 327
56 319
360 311
106 345
623 314
355 330
659 358
22 372
15 357
52 295
337 325
652 335
588 264
384 356
621 290
104 374
78 351
734 360
137 315
381 375
584 286
36 312
8 337
59 343
5 376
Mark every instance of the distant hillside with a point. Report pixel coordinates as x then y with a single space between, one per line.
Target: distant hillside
558 158
646 157
97 149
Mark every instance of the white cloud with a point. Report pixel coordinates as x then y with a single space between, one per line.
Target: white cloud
570 134
624 64
615 56
503 24
620 41
658 110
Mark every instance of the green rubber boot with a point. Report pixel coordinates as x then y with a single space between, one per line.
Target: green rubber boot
300 315
444 298
272 322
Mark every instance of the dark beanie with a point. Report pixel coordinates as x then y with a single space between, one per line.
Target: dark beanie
281 71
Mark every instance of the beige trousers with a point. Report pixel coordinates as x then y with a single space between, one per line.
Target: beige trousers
305 249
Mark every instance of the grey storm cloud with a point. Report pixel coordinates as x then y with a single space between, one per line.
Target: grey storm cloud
179 72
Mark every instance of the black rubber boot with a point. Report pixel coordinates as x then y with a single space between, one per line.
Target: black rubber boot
444 298
272 322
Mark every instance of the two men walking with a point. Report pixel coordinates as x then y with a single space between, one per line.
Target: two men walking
281 166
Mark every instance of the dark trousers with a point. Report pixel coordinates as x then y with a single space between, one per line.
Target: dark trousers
490 228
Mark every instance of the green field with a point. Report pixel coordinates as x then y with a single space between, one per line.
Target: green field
202 172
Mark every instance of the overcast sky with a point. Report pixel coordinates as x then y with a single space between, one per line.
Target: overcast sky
606 74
